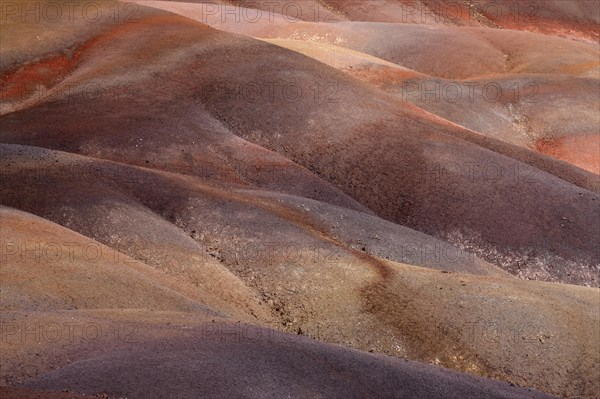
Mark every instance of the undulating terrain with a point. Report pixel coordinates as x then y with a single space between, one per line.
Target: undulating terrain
300 199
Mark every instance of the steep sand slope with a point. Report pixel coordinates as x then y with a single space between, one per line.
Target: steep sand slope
116 195
66 271
575 19
315 274
123 331
438 194
438 50
227 179
505 97
205 358
554 114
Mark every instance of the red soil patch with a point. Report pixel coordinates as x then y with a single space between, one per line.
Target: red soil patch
22 82
581 151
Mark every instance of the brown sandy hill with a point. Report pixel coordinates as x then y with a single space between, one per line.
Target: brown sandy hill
159 141
438 194
206 357
317 274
